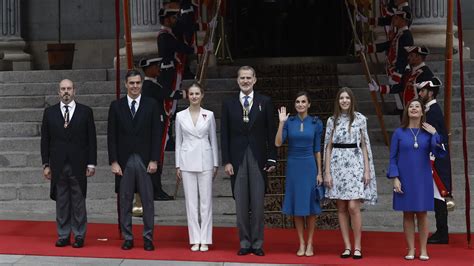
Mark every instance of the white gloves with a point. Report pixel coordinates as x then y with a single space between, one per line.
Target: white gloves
373 86
209 46
359 48
360 17
213 23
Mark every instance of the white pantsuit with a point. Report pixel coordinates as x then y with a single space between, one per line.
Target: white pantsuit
196 157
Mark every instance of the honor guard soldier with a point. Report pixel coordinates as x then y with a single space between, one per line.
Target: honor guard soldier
171 68
152 88
428 90
185 30
387 14
397 56
415 72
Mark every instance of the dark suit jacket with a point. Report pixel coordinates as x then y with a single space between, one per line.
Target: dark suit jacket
140 135
258 133
435 117
76 144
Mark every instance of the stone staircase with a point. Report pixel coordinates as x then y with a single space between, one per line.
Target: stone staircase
24 194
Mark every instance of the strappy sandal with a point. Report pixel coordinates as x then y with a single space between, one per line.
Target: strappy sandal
346 253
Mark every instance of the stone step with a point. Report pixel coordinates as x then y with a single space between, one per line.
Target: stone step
435 66
51 88
367 107
359 81
101 186
53 76
363 94
221 206
36 114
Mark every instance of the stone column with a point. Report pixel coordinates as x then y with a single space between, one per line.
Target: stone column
429 27
145 24
11 42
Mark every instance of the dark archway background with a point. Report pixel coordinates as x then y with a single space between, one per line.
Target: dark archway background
283 28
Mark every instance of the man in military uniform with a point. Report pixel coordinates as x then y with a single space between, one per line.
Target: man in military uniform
416 72
171 68
397 56
441 166
152 88
387 14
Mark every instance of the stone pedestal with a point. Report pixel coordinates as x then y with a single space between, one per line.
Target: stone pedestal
11 42
145 25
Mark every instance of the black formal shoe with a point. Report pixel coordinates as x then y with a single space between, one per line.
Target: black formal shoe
258 252
62 242
127 244
357 254
79 243
163 196
148 245
244 251
437 238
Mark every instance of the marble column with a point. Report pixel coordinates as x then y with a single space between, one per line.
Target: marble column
145 24
11 42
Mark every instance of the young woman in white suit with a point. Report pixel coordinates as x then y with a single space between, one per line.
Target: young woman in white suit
196 165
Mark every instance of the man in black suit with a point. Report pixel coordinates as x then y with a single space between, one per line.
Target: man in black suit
69 156
248 153
133 138
152 88
442 166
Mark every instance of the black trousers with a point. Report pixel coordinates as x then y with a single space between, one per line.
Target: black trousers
441 216
71 213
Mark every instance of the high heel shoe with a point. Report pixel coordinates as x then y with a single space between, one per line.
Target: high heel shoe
195 247
301 251
424 257
346 253
309 251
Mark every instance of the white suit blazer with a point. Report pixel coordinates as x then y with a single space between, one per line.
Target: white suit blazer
196 146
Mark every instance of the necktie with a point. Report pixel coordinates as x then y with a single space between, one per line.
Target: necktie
246 102
66 116
133 108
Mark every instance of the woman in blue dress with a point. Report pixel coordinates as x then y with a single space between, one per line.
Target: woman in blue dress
303 170
410 169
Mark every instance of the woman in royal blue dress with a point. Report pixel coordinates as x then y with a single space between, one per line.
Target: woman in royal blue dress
303 169
410 169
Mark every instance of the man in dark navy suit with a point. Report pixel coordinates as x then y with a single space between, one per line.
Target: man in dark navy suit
69 156
442 166
134 138
248 153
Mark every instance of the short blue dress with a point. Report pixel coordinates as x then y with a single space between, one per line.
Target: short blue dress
304 140
413 167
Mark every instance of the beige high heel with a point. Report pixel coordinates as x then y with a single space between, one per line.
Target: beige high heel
301 251
309 251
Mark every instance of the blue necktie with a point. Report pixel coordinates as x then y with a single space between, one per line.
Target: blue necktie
246 102
133 108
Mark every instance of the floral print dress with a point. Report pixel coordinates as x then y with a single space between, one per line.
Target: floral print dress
347 164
